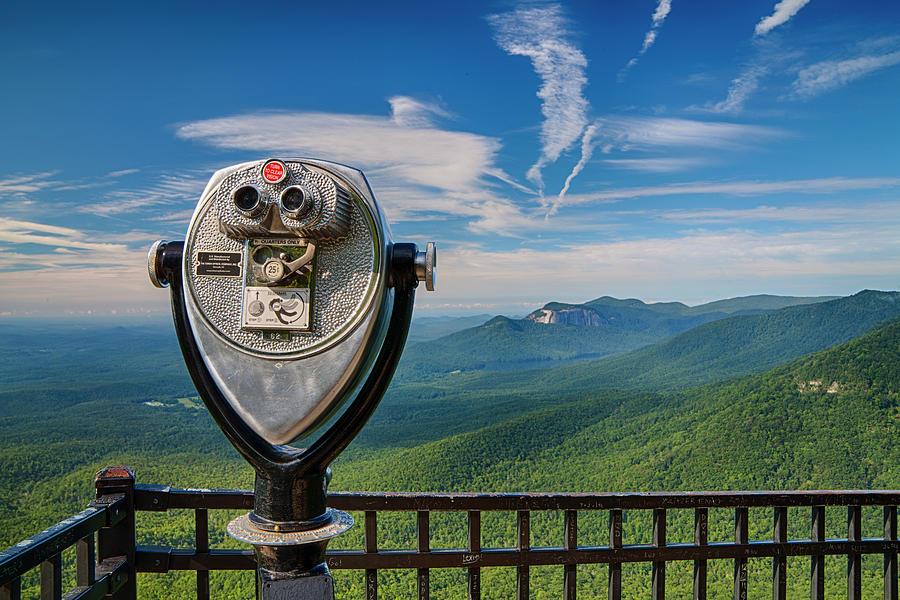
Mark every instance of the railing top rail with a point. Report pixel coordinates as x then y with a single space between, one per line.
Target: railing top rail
30 552
148 497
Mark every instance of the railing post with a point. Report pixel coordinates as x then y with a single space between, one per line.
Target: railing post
84 562
475 552
817 561
701 538
854 559
570 571
117 543
201 530
12 590
423 545
523 545
658 586
371 529
890 558
51 578
779 563
615 568
742 537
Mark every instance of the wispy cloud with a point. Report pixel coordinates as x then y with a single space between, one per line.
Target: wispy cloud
831 74
409 112
627 133
122 173
656 165
663 7
587 150
167 190
34 182
742 87
25 232
540 33
826 185
782 13
871 212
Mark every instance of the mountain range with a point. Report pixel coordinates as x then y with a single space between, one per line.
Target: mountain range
750 393
559 332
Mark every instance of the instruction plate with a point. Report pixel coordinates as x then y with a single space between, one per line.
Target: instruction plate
276 308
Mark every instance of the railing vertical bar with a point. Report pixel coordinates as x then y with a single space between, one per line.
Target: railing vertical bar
118 540
84 561
201 528
779 563
523 545
12 590
423 544
741 537
570 571
701 533
371 542
51 578
658 585
475 553
615 568
854 559
890 558
817 561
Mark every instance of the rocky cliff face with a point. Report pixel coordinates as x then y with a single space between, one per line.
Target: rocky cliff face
583 317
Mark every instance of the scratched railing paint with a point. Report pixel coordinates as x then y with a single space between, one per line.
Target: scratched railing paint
471 557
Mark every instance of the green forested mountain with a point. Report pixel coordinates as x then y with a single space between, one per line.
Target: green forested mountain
734 346
110 395
605 326
829 420
417 410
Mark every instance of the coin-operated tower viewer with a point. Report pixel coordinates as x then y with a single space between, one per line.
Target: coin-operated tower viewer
290 298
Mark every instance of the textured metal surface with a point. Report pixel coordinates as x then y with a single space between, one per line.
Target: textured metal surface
244 530
346 276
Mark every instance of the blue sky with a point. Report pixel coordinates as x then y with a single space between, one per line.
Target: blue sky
659 149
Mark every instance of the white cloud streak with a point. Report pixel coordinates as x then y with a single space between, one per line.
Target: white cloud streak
23 184
826 185
875 213
66 238
409 112
663 7
742 87
642 133
781 14
829 75
541 35
587 150
167 190
656 165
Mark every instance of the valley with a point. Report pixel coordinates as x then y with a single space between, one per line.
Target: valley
756 393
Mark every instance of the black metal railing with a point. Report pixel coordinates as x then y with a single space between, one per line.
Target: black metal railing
118 556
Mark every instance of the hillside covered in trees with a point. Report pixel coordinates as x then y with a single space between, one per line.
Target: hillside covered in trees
825 419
